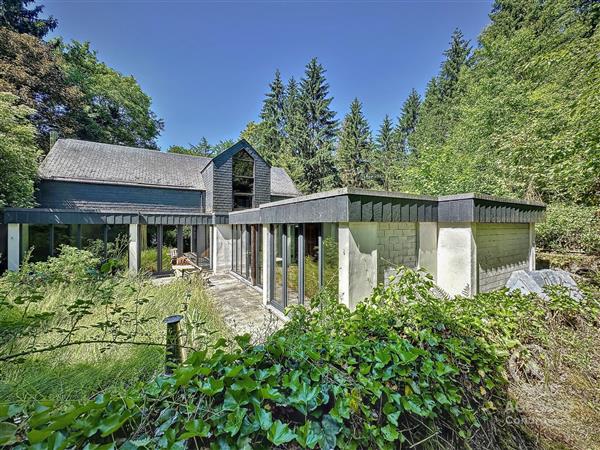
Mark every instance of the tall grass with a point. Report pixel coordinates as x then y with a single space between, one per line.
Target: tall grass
81 371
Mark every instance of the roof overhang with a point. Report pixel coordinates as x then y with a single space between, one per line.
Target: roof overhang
73 216
360 205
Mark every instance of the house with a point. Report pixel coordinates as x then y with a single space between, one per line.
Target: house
235 213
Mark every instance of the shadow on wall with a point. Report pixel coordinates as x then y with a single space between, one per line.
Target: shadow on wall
3 247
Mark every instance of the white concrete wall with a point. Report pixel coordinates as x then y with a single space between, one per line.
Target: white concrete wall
396 245
357 261
14 247
457 258
502 248
428 247
221 246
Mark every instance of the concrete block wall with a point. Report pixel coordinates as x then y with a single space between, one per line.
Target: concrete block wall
501 249
396 245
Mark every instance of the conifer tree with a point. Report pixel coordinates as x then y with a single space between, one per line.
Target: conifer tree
408 120
272 115
355 149
457 57
386 155
315 132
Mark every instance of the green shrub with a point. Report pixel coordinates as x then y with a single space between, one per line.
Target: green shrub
404 368
570 228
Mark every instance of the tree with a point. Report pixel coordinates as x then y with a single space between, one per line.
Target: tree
387 156
16 16
408 120
272 115
315 132
18 153
33 72
202 148
116 110
457 57
355 149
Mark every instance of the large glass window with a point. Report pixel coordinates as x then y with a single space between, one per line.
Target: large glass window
242 180
311 259
292 268
330 258
278 266
39 242
259 255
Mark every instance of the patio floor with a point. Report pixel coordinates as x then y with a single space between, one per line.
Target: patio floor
242 308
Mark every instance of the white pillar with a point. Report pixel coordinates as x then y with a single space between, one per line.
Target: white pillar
266 239
14 247
357 261
134 247
457 258
221 248
531 262
427 251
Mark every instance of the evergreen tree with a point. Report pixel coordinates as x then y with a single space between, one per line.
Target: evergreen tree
16 16
355 149
386 156
315 132
408 120
457 57
272 116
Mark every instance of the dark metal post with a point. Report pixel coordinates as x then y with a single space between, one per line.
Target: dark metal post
179 240
174 351
321 256
159 248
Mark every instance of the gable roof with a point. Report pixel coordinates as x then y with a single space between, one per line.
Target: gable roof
93 162
240 145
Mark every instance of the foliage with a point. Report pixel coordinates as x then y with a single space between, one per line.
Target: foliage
526 121
18 154
570 228
202 148
404 367
355 149
408 120
68 330
115 109
16 16
33 72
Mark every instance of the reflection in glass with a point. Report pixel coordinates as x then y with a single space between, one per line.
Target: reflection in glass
331 258
242 180
292 264
311 260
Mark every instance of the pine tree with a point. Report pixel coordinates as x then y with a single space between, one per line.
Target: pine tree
457 57
315 132
408 120
386 155
272 115
355 149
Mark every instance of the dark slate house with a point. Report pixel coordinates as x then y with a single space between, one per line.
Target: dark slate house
236 213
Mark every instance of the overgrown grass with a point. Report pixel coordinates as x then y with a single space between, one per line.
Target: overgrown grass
121 309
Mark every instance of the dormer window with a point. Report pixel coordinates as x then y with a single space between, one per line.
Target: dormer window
242 180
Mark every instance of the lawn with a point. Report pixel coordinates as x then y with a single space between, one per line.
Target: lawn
113 308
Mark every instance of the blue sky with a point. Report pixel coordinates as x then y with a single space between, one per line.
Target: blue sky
207 65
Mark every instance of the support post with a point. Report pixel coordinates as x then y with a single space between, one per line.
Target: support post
134 248
179 240
301 265
14 247
159 248
531 262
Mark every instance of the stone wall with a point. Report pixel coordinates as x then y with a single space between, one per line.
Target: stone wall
501 249
396 245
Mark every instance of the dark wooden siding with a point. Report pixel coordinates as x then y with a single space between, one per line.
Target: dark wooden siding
87 196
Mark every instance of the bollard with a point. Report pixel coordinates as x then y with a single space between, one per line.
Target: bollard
174 353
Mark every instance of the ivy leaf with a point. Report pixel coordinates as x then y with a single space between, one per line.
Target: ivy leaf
264 417
113 422
196 428
212 386
234 421
330 429
308 434
390 433
280 433
8 433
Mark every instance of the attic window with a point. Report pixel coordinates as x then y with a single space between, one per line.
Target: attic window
242 180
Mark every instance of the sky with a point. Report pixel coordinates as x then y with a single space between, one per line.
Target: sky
207 64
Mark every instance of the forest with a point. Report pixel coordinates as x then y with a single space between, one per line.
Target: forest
515 114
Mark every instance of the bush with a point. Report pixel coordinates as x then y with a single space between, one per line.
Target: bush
570 228
402 369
